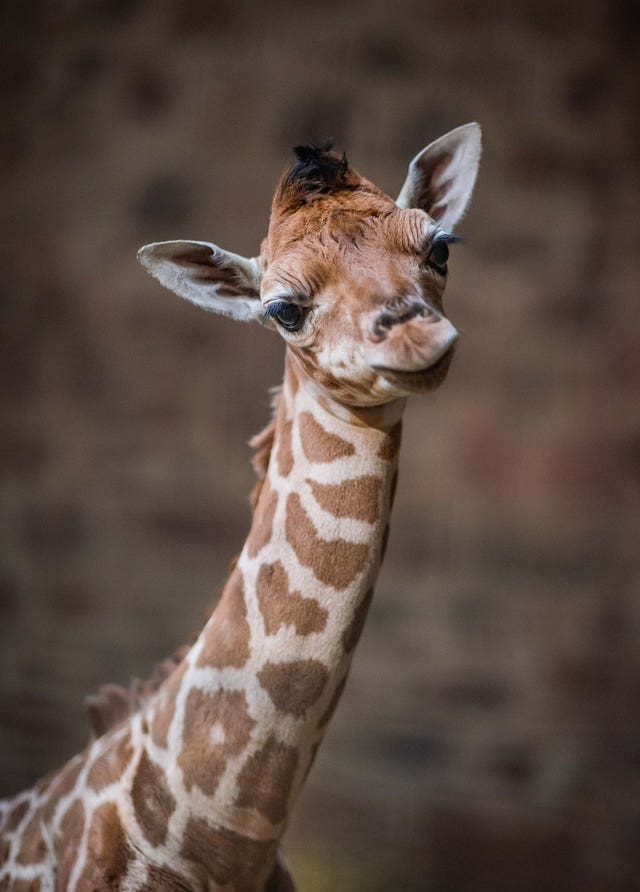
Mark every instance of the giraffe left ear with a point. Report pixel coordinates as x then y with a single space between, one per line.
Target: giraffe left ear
442 176
207 276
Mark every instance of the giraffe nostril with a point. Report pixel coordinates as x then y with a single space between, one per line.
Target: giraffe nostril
404 312
385 320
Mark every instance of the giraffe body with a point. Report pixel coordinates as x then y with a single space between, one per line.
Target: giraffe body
191 786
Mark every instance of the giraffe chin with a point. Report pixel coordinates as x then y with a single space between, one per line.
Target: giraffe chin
422 380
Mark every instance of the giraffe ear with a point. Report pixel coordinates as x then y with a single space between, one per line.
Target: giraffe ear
207 276
442 176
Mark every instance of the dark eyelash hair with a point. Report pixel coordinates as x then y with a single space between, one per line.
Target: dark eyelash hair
272 308
448 237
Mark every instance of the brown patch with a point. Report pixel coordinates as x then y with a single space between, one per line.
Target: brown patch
291 377
262 445
5 851
15 816
67 843
285 454
69 775
110 765
227 634
162 879
266 778
225 712
358 498
226 856
283 440
33 847
318 444
327 715
152 800
391 445
281 607
335 562
351 634
165 706
22 885
108 852
61 785
262 525
295 685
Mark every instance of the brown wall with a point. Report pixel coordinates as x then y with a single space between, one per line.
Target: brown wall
489 738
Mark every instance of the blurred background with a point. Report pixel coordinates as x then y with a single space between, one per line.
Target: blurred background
489 738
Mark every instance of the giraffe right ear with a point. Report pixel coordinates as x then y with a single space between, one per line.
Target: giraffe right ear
208 276
442 176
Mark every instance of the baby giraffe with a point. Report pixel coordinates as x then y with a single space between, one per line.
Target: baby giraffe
188 783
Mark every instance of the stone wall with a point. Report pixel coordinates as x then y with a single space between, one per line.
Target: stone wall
489 737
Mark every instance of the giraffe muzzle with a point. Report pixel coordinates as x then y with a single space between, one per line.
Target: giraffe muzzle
399 314
412 344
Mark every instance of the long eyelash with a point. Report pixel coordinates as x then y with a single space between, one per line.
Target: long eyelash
448 237
271 309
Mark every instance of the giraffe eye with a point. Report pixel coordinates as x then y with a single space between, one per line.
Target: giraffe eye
439 255
289 316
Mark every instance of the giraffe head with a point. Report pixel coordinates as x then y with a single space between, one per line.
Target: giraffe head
352 280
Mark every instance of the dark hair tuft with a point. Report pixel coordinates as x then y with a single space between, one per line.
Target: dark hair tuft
318 171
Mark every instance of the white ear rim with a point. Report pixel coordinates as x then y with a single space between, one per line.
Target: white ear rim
464 144
157 259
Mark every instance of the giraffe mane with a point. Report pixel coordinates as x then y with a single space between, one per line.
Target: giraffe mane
112 703
262 445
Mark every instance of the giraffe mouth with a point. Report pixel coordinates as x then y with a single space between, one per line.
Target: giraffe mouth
422 380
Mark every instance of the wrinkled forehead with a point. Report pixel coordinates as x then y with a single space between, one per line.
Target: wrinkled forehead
305 250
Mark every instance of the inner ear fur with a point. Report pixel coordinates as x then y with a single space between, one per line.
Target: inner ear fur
441 177
206 275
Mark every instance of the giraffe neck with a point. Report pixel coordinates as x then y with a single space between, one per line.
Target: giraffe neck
233 733
196 788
